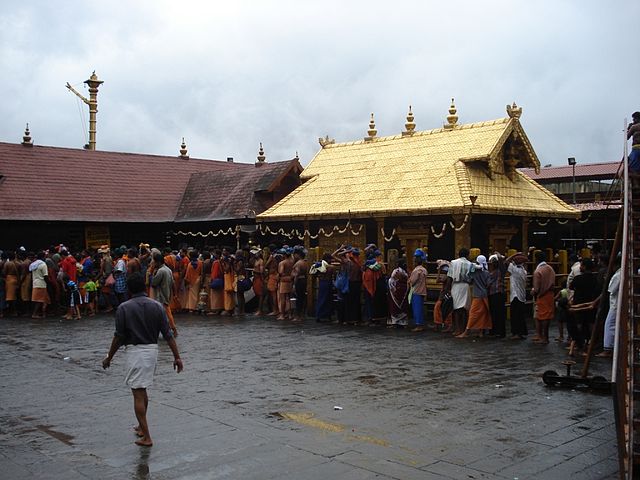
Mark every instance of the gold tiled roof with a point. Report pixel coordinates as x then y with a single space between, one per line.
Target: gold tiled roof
426 173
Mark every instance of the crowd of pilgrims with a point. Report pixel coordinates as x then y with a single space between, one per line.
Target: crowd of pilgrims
353 287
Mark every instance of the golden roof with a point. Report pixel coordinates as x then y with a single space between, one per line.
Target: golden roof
431 172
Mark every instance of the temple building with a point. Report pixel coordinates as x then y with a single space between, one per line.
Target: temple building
86 197
454 186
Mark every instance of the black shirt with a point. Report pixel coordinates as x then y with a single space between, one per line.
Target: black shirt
585 288
141 320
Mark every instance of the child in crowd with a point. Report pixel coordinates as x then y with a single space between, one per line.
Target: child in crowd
73 298
90 298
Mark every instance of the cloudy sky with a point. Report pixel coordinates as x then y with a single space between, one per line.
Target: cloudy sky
227 75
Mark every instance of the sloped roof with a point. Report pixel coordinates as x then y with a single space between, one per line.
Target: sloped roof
232 194
52 183
592 171
427 173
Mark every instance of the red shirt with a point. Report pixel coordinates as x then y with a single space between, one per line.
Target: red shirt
68 266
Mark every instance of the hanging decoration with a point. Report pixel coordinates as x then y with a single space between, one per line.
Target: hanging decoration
442 230
295 233
461 227
210 233
388 239
586 219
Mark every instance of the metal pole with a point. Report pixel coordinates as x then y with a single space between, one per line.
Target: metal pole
574 184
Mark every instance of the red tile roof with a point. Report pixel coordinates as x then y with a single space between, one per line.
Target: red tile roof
52 183
236 194
594 171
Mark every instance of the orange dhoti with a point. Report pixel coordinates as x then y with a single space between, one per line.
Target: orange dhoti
545 306
258 285
40 295
25 288
191 296
437 314
11 288
175 299
229 293
479 317
216 299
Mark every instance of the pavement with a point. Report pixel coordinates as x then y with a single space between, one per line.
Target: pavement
259 399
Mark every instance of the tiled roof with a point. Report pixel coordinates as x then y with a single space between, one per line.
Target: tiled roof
52 183
430 172
594 171
234 194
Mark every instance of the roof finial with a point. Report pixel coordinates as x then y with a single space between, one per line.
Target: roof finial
326 141
372 129
261 156
26 139
183 150
452 118
296 157
410 126
514 111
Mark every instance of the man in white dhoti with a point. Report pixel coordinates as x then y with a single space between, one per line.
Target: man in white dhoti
139 322
457 285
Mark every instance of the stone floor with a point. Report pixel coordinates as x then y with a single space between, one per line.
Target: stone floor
258 398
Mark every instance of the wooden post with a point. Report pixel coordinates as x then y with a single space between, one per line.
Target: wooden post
380 237
525 235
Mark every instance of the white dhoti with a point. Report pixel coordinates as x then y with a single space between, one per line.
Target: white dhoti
460 295
141 365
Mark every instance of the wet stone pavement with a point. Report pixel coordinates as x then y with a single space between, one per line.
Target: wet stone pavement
257 398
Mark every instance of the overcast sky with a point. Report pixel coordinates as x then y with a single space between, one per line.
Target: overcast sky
227 75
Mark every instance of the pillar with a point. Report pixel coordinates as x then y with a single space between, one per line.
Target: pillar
462 237
525 234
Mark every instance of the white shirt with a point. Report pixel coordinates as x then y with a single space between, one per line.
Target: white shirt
614 285
518 279
575 271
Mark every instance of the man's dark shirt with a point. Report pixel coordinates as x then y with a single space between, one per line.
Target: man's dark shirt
585 288
141 320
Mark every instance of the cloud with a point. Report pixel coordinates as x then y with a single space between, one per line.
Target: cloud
228 75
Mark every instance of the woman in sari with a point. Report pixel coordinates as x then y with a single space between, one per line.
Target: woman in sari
398 302
192 281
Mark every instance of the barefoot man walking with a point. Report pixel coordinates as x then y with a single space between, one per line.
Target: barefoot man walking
139 322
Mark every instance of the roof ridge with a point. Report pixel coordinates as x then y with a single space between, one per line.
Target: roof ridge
420 133
108 152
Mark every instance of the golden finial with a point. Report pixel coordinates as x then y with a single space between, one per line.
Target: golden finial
183 149
452 118
26 139
410 126
372 129
261 156
514 111
326 141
